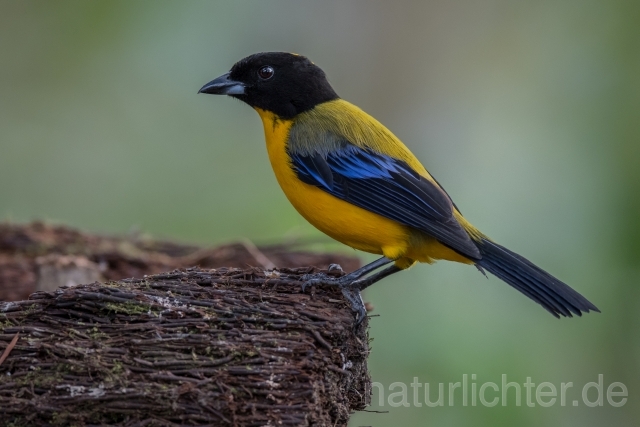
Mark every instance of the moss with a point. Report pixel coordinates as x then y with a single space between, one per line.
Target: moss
96 334
112 284
64 368
117 367
40 378
128 308
30 309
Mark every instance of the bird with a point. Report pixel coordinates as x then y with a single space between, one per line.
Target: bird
354 180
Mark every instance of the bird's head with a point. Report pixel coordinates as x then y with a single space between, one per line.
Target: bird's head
285 84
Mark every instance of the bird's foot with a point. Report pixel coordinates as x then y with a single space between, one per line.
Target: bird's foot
350 289
324 279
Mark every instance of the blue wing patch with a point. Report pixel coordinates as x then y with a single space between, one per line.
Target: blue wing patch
388 187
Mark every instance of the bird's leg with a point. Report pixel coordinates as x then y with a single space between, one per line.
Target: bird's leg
352 283
364 283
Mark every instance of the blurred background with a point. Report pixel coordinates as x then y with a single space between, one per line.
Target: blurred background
527 112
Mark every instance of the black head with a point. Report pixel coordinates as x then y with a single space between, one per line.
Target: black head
284 83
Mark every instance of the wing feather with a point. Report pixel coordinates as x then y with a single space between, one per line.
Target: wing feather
388 187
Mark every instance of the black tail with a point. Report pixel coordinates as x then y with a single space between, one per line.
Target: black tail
555 296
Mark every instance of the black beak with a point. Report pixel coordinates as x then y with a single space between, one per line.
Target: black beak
223 85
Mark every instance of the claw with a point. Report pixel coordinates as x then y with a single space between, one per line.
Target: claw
314 279
306 284
335 267
350 289
352 294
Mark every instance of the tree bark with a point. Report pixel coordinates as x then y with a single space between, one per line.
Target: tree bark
212 345
189 347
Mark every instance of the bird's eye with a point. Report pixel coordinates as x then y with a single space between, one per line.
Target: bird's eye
266 72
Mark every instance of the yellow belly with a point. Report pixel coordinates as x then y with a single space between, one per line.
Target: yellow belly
346 223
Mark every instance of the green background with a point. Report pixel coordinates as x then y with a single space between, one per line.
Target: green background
528 112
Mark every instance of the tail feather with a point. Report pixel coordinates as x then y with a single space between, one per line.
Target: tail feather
554 295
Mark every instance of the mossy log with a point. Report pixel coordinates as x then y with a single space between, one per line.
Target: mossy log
190 347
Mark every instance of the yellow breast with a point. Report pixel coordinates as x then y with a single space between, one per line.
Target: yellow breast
346 223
